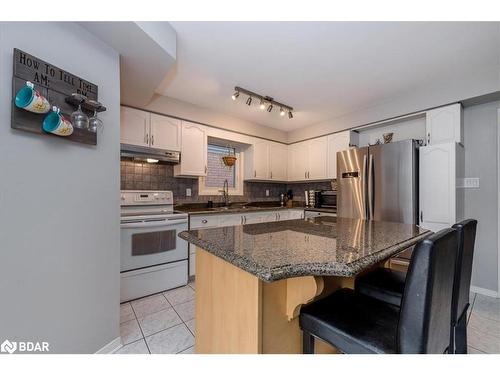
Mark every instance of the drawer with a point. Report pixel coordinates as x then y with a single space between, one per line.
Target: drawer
208 221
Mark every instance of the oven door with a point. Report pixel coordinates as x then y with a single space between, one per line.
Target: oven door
146 243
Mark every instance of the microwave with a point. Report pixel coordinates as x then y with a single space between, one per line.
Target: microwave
325 199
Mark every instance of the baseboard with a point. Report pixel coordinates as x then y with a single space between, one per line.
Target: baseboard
485 292
111 347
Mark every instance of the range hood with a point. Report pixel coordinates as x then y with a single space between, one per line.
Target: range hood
145 153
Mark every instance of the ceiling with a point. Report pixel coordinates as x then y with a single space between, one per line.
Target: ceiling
322 69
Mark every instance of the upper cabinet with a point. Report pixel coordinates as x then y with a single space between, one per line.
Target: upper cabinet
308 160
134 126
142 128
266 160
165 132
336 142
278 156
193 151
444 125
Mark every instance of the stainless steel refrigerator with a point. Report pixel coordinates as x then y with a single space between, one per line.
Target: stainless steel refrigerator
379 182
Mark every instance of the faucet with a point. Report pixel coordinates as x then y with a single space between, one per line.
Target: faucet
225 192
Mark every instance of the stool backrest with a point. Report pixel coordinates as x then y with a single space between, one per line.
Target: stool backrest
424 322
466 237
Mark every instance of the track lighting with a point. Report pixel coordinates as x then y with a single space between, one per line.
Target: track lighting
264 101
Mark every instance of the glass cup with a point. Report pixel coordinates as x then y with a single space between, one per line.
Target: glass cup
95 123
79 119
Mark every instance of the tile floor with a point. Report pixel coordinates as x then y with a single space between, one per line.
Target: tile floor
164 323
159 324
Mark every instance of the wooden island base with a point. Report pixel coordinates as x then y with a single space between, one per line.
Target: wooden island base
238 313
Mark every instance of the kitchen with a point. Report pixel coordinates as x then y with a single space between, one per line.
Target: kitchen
238 192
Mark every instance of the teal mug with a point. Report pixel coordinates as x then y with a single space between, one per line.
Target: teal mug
57 124
31 100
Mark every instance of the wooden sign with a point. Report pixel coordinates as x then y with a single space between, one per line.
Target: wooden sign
56 85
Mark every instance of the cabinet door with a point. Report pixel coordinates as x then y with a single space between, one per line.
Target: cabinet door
165 132
299 161
134 126
261 160
230 220
437 186
278 156
317 159
193 151
336 142
269 216
252 218
444 124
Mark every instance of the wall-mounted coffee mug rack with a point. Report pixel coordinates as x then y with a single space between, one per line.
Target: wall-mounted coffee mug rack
60 89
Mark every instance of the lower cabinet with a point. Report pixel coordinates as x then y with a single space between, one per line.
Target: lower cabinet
227 220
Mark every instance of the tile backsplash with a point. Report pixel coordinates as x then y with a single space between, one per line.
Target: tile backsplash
144 176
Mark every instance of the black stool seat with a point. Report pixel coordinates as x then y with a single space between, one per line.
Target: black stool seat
383 284
352 322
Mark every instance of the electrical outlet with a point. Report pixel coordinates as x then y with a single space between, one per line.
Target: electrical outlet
267 192
471 182
188 192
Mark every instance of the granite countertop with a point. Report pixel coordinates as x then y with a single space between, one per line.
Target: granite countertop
321 209
320 246
251 207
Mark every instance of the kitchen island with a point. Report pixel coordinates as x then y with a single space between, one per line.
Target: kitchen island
251 280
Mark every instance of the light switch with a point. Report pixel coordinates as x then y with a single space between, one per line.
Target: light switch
471 182
188 192
267 192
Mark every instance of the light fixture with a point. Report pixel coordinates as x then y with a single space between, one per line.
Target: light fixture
264 101
152 161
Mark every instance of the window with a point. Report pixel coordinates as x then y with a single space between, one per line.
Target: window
218 172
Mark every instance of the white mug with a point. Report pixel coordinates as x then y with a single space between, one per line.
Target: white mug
31 100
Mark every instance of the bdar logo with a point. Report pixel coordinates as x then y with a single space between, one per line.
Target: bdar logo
8 347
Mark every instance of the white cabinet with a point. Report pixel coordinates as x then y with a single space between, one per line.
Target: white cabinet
193 151
336 142
441 200
317 159
134 126
140 128
260 160
444 124
165 132
308 160
278 156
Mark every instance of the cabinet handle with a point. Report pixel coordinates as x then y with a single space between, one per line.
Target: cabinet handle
421 216
255 173
271 174
241 220
204 221
205 169
428 138
152 140
305 174
147 139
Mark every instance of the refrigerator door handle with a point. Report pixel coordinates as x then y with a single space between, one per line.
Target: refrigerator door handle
363 192
370 188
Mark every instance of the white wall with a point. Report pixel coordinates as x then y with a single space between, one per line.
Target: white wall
174 107
480 139
59 205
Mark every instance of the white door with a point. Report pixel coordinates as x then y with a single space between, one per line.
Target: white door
317 160
193 151
437 186
261 160
278 158
134 126
299 163
165 132
336 142
444 124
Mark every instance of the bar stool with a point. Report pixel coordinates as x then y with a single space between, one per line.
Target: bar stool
357 323
388 285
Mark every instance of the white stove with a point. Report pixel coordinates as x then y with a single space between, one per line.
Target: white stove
153 257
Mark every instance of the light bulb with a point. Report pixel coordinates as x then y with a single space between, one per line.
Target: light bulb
282 112
235 95
262 105
152 161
